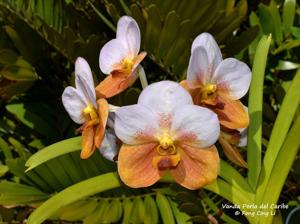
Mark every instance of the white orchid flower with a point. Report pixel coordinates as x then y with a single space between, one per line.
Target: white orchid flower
165 131
83 108
119 58
217 83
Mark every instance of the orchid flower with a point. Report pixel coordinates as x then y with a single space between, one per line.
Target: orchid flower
160 133
216 83
110 145
119 58
81 104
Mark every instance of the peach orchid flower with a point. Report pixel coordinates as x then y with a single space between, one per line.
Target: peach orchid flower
163 132
216 83
120 58
81 104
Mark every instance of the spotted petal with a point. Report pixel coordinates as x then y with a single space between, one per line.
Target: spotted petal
232 77
195 126
136 124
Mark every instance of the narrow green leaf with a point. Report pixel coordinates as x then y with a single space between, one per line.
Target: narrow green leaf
13 193
53 151
281 168
113 212
276 21
232 176
165 209
181 217
5 149
127 208
98 214
288 16
74 193
138 211
255 106
151 211
153 29
281 126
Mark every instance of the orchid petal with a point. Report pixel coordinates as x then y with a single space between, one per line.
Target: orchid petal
195 126
163 97
109 147
74 103
115 84
232 76
198 71
136 124
135 165
232 114
86 91
243 139
82 69
87 143
197 167
214 54
102 107
129 33
232 153
111 55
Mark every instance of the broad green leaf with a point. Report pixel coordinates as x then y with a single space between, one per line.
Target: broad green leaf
13 193
255 106
281 168
281 126
74 193
53 151
3 170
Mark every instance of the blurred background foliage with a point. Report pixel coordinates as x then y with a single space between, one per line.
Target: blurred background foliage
39 42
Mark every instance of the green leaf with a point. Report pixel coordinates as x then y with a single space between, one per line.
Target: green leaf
18 73
281 168
13 193
28 115
138 211
165 209
53 151
151 211
287 65
255 106
288 16
181 217
281 126
99 213
127 207
276 21
5 149
74 193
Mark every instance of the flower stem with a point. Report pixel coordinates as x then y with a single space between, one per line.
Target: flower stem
142 77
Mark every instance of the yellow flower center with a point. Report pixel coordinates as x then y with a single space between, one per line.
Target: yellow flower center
166 145
91 116
128 63
168 157
208 90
